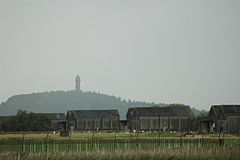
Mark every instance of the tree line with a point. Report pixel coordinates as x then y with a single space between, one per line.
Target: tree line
25 121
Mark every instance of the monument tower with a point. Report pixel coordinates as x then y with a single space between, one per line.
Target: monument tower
77 81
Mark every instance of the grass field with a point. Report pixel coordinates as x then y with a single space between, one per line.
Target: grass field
107 135
89 135
117 146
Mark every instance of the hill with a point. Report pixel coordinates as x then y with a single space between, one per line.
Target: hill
61 101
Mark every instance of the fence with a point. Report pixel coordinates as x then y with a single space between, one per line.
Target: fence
100 144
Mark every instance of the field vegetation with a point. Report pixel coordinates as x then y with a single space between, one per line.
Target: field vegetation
48 141
183 153
117 146
108 135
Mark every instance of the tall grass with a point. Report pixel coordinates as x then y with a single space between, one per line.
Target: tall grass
110 145
183 153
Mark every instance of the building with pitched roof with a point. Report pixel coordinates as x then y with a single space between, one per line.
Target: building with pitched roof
93 119
158 118
225 118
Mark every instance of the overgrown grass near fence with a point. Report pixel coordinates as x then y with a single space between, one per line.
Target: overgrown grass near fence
182 153
102 135
88 135
102 141
95 144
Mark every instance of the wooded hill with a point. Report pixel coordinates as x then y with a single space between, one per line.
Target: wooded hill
61 101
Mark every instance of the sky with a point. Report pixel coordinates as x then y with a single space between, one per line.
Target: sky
162 51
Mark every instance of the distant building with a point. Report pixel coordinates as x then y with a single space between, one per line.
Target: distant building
205 126
58 121
224 118
158 118
77 83
123 125
93 119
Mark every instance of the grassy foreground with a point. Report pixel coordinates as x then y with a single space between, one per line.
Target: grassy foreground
216 153
87 135
102 135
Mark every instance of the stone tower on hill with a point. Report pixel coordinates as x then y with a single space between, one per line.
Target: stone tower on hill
77 81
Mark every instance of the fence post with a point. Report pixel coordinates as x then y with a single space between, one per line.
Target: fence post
221 140
159 136
181 138
69 142
92 141
23 146
46 143
115 137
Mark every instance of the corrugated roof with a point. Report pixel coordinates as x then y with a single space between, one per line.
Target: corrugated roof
94 113
160 111
228 110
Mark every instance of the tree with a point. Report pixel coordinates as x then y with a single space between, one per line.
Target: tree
183 105
195 121
24 121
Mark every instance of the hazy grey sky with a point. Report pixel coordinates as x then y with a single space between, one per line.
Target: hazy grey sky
171 51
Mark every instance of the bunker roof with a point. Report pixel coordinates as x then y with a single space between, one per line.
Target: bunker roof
228 110
94 113
160 111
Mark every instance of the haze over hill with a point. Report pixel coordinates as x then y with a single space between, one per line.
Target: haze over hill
61 101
